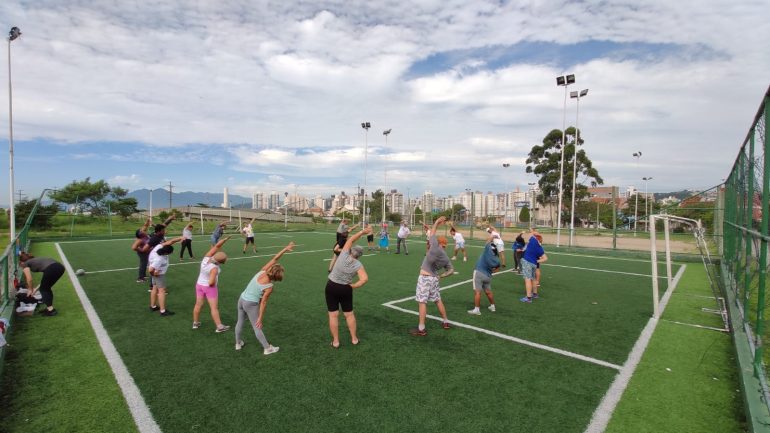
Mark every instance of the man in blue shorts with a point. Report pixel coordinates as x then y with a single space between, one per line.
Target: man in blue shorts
428 281
533 256
487 264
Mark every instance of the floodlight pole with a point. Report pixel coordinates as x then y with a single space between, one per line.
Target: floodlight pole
12 35
532 202
473 217
366 126
646 198
637 155
576 95
286 211
507 195
562 81
385 133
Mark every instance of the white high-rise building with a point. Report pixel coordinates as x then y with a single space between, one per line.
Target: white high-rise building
274 200
259 201
395 202
226 200
428 202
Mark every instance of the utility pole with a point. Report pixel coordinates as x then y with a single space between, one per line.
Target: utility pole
169 195
20 195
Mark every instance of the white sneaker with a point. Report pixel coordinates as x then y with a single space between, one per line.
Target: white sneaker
492 308
465 259
239 345
196 325
454 258
222 328
475 312
271 349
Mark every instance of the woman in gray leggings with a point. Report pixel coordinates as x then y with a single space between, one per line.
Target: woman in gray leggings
253 301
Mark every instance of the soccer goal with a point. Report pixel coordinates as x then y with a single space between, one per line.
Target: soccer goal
697 231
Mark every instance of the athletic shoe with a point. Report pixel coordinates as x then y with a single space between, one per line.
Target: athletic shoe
526 300
397 252
239 345
491 308
475 312
196 325
271 349
454 258
465 259
534 296
418 333
49 313
155 308
222 328
167 313
141 280
445 325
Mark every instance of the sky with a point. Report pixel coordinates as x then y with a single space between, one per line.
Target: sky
270 96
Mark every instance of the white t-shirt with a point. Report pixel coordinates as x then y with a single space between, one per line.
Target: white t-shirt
157 261
498 241
403 232
248 231
187 233
459 239
207 264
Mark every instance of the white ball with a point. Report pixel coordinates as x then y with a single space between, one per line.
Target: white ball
80 272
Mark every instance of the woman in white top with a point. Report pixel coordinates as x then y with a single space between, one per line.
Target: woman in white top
206 286
459 243
186 241
253 301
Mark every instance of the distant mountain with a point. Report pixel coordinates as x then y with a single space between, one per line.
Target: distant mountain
186 198
681 195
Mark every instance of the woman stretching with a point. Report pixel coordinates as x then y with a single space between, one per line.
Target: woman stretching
52 271
206 287
253 301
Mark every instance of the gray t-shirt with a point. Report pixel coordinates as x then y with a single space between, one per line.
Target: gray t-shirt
38 264
342 228
345 268
436 259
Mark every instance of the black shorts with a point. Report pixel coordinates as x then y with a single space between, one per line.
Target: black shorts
369 238
339 295
250 240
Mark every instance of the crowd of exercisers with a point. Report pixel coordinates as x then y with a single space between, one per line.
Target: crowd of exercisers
346 273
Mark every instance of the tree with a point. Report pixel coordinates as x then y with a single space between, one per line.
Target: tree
374 206
90 197
125 207
544 160
43 216
524 214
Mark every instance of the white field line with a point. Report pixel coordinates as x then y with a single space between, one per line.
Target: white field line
201 238
500 335
600 270
603 412
198 263
515 340
696 326
143 418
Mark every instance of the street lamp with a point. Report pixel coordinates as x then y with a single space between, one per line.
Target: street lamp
366 126
507 199
12 35
473 215
637 155
285 211
565 81
647 199
385 133
575 95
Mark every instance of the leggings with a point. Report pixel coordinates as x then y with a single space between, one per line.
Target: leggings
51 275
398 245
248 310
517 258
143 257
186 243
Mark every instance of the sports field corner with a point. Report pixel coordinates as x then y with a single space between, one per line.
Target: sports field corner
560 364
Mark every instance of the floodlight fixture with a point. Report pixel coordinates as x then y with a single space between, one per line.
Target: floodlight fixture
14 33
366 125
386 132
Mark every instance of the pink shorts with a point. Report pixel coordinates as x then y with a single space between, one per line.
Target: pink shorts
210 292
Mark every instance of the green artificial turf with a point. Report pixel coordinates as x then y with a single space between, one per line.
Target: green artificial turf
686 381
455 380
55 377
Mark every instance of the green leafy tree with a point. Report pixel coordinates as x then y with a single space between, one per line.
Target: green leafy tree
374 206
395 217
544 160
43 217
89 196
125 207
524 214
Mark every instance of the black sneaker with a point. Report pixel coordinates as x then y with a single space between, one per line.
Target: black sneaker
49 313
167 313
155 308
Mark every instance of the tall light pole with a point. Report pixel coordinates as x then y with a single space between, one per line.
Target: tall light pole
385 133
565 81
507 197
637 155
285 211
12 35
366 126
647 199
473 216
575 95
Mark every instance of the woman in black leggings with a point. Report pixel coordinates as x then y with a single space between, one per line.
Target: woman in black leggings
52 271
